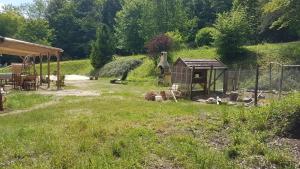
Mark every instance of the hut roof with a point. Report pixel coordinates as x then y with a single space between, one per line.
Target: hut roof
202 63
16 47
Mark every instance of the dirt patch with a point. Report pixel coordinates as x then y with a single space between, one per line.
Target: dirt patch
156 162
40 106
70 93
292 144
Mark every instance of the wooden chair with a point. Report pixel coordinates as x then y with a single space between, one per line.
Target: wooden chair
30 83
17 81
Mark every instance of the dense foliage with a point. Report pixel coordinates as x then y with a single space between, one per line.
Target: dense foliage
205 36
72 24
118 67
102 47
160 43
233 29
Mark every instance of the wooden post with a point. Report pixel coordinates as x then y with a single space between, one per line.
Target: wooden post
58 72
235 78
281 81
238 79
256 86
48 70
191 87
215 79
41 70
1 101
34 68
225 81
209 81
270 77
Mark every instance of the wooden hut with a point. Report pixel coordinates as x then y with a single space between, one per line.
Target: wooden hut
31 52
187 73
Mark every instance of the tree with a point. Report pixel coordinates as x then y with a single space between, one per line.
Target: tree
35 10
160 43
10 21
283 13
75 23
204 13
128 26
102 48
253 14
205 36
233 28
141 20
36 31
110 9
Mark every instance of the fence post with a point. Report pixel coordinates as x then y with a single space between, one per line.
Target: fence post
225 81
281 81
210 77
256 86
270 77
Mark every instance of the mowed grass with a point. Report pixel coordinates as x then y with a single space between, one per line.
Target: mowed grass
119 129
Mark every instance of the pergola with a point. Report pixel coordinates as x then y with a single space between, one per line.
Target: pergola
25 50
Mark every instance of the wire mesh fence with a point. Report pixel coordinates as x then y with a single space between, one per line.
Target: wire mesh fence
272 80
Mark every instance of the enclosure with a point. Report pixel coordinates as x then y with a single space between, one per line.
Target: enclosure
198 76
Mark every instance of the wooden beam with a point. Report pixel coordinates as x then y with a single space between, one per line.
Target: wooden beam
58 73
48 69
281 82
41 69
256 86
270 77
34 68
225 81
14 44
215 76
209 81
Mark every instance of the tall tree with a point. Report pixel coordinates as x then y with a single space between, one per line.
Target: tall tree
10 21
283 13
110 9
35 10
75 23
128 26
36 31
102 48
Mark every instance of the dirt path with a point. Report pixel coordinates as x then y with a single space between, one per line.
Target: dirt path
69 92
37 107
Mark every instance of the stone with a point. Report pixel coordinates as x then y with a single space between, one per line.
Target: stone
211 101
247 100
233 96
158 98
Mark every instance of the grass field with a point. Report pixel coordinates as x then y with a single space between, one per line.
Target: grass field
119 129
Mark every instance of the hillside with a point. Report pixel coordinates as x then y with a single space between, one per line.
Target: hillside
263 53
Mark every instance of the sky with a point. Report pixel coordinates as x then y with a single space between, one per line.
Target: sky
14 2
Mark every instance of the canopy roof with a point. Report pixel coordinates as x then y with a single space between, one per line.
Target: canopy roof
16 47
202 63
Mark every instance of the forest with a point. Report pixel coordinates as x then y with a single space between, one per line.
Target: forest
129 25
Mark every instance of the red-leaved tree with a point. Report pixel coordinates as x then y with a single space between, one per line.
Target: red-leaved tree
157 45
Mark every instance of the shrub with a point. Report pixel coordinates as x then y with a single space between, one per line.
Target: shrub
119 67
205 36
177 39
231 36
157 45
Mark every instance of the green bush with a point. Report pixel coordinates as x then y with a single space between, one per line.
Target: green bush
205 36
177 39
233 29
119 67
